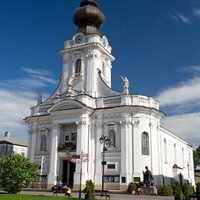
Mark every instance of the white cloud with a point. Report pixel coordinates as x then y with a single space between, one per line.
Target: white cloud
196 12
36 71
191 68
18 96
183 18
184 93
182 101
32 79
15 107
39 74
180 18
186 126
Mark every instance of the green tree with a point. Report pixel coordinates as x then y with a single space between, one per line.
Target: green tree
196 155
16 172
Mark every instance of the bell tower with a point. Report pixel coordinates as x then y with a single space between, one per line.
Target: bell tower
87 55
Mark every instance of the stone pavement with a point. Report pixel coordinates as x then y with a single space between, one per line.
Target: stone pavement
113 196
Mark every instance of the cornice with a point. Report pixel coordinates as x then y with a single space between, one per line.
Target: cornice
79 48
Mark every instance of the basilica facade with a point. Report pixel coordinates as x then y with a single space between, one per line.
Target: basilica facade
84 107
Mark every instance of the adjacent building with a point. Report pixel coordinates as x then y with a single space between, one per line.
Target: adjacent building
8 145
84 107
197 174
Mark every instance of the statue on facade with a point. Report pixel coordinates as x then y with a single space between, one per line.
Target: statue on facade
148 178
70 85
57 96
125 84
39 99
70 81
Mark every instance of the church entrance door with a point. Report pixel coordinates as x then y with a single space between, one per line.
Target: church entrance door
68 173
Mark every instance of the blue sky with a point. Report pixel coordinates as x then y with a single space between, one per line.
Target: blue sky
155 42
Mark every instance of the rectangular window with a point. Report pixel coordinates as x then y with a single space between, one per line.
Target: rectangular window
123 179
111 166
111 179
74 137
67 138
2 150
136 179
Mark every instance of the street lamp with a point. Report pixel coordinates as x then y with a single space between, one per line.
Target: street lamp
105 141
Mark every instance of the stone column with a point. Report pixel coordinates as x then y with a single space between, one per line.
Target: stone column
82 146
52 176
126 153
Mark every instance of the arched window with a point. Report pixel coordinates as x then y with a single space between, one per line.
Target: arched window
190 164
43 143
183 157
78 66
175 158
112 138
165 150
145 143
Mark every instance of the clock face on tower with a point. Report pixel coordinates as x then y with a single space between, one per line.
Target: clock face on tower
78 38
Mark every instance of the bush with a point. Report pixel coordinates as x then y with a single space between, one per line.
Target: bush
131 187
178 191
89 188
166 190
198 188
187 190
16 172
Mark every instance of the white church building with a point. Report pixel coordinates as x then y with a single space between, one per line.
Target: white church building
84 107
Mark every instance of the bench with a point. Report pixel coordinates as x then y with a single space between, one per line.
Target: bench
103 193
194 197
56 190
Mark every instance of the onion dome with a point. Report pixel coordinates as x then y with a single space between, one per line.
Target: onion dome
88 17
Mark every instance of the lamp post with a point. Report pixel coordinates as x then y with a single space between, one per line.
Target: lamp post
105 141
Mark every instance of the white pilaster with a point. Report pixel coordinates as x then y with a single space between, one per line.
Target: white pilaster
67 70
29 143
108 73
82 146
93 63
52 177
126 152
98 167
92 151
32 144
137 148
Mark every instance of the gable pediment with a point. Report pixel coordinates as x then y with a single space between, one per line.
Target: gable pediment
66 105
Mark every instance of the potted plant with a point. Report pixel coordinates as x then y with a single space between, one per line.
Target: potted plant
89 190
131 188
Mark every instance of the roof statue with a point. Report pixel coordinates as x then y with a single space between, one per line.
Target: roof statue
39 99
57 96
125 85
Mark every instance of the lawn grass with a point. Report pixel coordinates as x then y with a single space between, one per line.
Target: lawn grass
31 197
